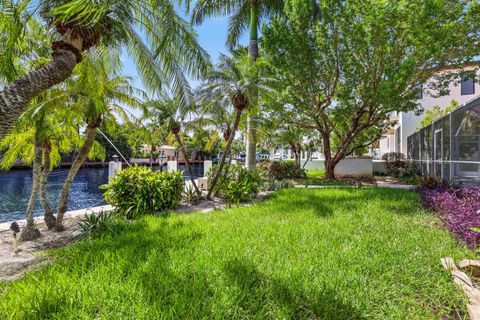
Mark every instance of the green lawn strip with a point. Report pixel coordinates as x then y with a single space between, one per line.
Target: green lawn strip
303 254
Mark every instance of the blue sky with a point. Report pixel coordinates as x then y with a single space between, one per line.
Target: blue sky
212 35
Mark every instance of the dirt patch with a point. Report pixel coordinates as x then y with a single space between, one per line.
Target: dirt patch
13 265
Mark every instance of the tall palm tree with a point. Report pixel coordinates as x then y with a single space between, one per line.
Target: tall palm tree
170 114
162 44
243 14
97 94
231 84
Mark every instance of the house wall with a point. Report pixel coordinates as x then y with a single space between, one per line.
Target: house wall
409 122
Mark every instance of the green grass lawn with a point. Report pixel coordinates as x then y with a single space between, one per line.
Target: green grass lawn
303 254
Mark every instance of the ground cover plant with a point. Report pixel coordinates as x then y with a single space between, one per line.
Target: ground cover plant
458 208
303 254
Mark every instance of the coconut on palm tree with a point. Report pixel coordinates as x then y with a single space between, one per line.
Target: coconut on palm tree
231 84
244 14
162 44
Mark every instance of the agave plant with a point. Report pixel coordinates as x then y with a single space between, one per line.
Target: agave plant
96 225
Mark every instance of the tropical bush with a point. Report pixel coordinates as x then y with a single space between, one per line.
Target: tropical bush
237 183
97 225
433 182
458 208
396 163
137 191
285 169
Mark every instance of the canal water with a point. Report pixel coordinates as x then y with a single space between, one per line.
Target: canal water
15 187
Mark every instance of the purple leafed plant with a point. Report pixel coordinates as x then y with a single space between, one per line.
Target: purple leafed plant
458 208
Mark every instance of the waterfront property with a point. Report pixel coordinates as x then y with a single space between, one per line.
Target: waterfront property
450 146
303 254
15 187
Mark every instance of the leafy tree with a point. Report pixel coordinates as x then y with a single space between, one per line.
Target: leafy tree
243 14
118 135
348 68
436 113
161 43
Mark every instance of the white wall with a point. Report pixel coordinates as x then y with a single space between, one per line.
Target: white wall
349 167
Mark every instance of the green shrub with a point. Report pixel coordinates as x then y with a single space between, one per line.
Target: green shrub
97 225
395 162
137 191
274 185
237 184
285 169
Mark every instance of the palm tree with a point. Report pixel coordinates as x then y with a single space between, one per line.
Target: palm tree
169 113
244 14
38 138
97 94
231 84
80 25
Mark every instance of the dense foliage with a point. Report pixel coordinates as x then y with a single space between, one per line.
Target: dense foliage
138 191
288 169
347 65
458 208
395 162
237 183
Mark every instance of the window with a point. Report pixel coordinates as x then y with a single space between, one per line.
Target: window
418 90
467 83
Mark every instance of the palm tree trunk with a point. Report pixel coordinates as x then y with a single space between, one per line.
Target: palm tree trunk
15 97
48 216
187 163
211 187
250 161
76 165
30 232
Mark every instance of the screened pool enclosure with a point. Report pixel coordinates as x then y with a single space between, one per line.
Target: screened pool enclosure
450 146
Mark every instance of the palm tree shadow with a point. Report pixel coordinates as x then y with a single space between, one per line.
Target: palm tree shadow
258 289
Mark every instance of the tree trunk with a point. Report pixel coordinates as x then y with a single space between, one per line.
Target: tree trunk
15 97
211 187
251 156
329 170
76 165
187 163
48 216
30 232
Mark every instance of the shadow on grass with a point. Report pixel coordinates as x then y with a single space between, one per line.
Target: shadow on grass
258 290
